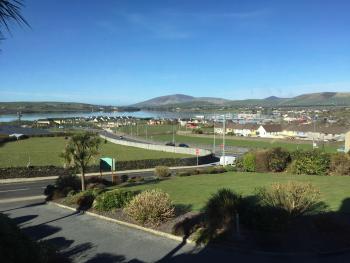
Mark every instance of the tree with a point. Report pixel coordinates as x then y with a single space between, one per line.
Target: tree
80 150
10 10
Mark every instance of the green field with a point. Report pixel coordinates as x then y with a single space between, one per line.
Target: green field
245 142
164 133
45 151
195 190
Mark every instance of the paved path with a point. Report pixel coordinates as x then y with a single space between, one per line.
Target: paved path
86 239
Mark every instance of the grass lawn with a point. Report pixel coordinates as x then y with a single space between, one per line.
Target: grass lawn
195 190
245 142
46 150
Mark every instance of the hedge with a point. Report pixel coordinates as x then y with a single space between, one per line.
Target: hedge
42 171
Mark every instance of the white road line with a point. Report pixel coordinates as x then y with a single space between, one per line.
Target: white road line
14 190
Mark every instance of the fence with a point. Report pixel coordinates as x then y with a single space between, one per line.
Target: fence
163 148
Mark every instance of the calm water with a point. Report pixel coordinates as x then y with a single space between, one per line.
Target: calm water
138 114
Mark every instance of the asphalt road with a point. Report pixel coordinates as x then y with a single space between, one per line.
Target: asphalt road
84 238
11 192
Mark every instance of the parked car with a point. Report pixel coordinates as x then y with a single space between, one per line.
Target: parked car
170 144
121 137
227 160
183 145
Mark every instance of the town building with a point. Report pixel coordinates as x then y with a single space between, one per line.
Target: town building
347 142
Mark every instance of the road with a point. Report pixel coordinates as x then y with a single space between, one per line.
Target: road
84 238
35 190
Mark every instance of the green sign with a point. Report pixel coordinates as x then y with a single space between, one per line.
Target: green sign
107 164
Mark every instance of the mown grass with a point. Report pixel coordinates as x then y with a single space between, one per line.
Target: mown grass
46 150
195 190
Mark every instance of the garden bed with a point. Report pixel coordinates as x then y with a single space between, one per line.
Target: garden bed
322 234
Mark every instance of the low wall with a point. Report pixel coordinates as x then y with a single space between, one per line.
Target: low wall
155 147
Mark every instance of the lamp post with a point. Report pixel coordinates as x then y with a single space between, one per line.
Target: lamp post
223 137
214 146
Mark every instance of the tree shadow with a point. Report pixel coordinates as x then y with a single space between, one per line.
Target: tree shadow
22 219
345 206
181 209
25 206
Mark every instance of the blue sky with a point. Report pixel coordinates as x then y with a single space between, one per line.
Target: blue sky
121 52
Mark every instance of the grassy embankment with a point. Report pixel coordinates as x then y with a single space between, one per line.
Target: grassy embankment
45 151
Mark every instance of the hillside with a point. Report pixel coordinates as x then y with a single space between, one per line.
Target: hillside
188 102
46 106
180 99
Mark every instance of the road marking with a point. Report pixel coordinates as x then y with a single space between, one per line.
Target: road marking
27 198
14 190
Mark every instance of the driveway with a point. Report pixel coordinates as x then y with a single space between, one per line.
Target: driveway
87 239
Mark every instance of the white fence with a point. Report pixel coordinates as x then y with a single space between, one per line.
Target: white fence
163 148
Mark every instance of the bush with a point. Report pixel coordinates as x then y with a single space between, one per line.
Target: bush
185 173
249 162
294 198
340 164
197 131
162 171
220 212
113 199
261 161
278 159
151 207
97 180
68 181
82 199
310 162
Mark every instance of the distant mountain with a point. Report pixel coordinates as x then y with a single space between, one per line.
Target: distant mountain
272 98
52 106
179 99
187 102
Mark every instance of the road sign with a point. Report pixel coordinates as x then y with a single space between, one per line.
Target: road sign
107 164
197 151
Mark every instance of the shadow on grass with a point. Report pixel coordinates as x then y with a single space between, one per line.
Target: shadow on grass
345 206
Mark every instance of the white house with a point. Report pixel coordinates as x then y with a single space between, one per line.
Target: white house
270 131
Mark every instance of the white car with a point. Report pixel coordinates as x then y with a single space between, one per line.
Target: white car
227 160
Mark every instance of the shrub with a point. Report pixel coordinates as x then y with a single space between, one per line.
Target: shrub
249 162
197 131
67 181
261 161
49 190
278 159
113 199
162 171
340 164
220 212
150 207
310 162
82 199
230 168
185 173
97 180
294 198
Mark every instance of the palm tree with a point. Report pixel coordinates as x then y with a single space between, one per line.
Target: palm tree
10 10
80 150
